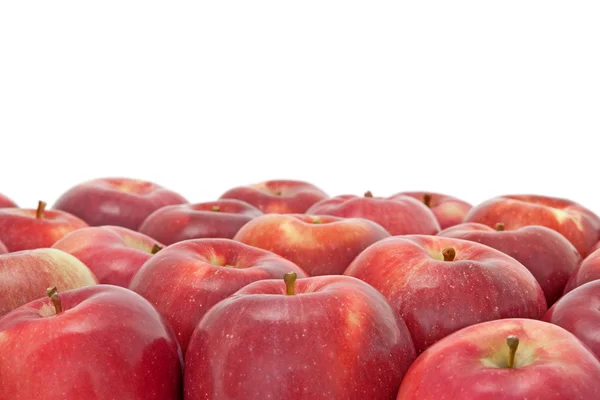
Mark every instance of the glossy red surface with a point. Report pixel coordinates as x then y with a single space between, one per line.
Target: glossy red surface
448 210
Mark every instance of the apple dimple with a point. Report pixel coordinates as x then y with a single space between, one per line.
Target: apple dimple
511 354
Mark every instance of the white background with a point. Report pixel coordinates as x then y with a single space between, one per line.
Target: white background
473 99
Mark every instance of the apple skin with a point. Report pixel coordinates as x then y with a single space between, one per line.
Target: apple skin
107 343
448 210
402 215
113 253
3 249
548 255
587 271
320 245
25 275
579 312
437 297
576 223
215 219
20 229
335 338
6 202
279 196
550 364
116 201
185 279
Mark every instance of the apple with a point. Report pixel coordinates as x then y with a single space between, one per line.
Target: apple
325 337
6 202
594 248
439 285
25 274
215 219
587 271
579 312
402 215
278 196
578 224
185 279
544 252
97 342
320 245
3 249
113 253
505 359
116 201
27 229
448 210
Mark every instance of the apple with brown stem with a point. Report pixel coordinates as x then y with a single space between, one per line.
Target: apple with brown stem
448 210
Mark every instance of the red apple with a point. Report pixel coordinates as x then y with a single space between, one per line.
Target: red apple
186 279
587 271
402 215
278 196
579 312
506 359
320 245
113 253
578 224
544 252
5 202
326 337
215 219
25 274
448 210
116 201
439 285
596 247
101 342
26 229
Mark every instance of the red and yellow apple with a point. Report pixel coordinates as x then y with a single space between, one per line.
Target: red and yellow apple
548 255
448 210
185 279
505 359
320 245
215 219
27 229
116 201
100 342
25 275
325 337
113 253
6 202
576 223
278 196
402 215
587 271
439 285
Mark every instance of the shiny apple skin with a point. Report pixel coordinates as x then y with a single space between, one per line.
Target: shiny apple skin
448 210
576 223
559 366
403 215
172 224
3 249
336 338
108 343
587 271
436 297
548 255
116 201
278 196
113 253
183 284
324 248
6 202
21 230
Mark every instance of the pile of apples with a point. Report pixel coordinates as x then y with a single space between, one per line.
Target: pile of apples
124 289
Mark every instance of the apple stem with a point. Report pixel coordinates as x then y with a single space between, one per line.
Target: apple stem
39 213
449 254
499 226
427 199
215 208
155 249
53 294
512 342
368 193
290 283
